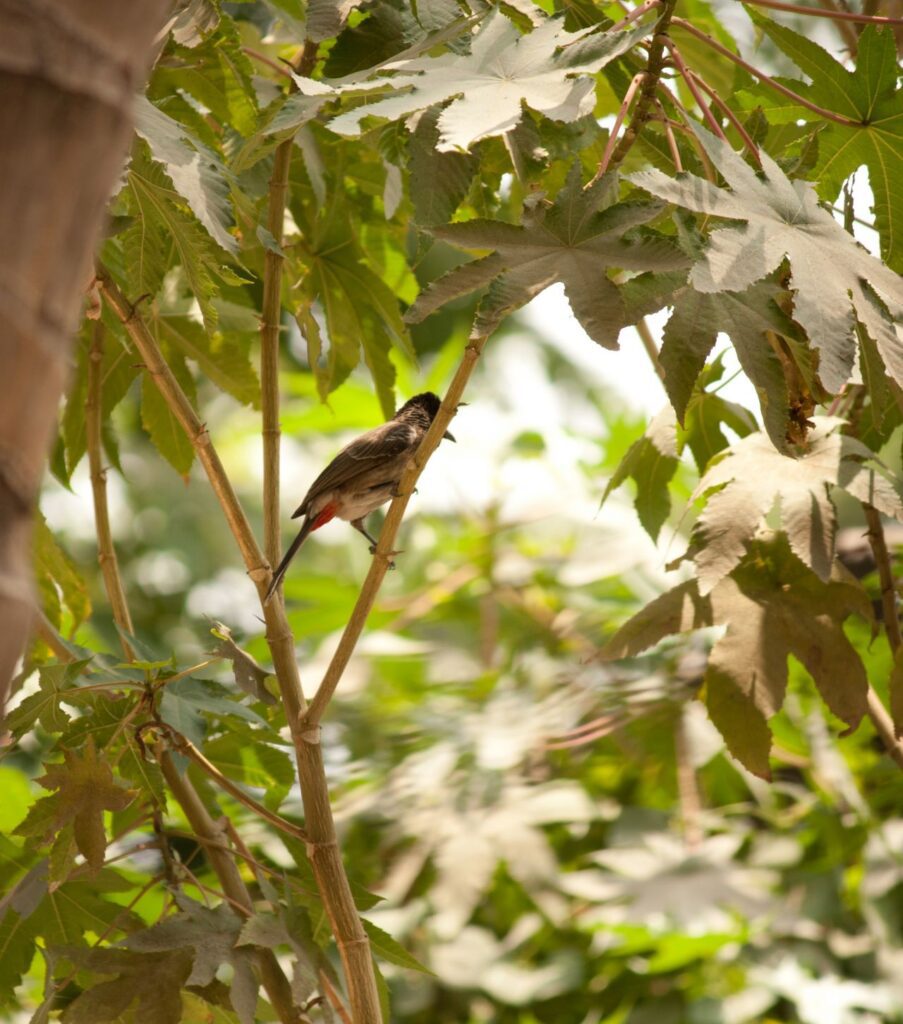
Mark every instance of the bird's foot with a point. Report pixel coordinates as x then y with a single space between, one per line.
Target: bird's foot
396 493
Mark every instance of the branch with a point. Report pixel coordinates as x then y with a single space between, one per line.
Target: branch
382 556
730 115
322 845
766 79
655 64
269 327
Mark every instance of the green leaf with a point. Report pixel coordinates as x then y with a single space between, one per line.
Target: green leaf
438 181
690 335
55 569
212 935
650 462
548 70
164 225
222 358
149 982
158 419
326 18
867 95
196 171
390 949
44 706
574 241
832 274
259 765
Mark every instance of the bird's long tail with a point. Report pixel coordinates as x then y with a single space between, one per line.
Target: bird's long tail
310 524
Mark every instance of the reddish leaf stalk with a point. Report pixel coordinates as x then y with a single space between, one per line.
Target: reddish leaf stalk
820 12
729 114
687 76
765 79
616 127
655 64
636 14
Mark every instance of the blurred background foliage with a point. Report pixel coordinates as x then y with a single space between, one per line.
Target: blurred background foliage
553 838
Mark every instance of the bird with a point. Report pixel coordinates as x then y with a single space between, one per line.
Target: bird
364 475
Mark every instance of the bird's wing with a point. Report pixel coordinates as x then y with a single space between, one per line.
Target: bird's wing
381 445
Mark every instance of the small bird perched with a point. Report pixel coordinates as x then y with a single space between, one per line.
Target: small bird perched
364 475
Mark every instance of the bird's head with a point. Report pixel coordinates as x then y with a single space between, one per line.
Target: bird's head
425 403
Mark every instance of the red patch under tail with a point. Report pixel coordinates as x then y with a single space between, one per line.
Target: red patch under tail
324 515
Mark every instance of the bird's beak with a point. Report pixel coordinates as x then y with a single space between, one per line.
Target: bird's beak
449 436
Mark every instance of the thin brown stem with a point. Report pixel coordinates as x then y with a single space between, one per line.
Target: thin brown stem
185 746
106 552
687 783
655 64
616 127
383 554
642 329
763 78
697 95
820 12
672 141
885 575
274 65
271 310
636 14
322 846
884 725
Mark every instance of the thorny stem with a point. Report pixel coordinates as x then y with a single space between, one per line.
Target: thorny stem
694 89
322 846
382 557
272 976
763 78
655 64
833 13
271 309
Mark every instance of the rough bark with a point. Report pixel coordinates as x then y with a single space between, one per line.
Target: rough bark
68 70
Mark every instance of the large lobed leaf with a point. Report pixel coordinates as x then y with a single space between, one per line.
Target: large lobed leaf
773 607
547 69
867 95
744 485
582 234
834 278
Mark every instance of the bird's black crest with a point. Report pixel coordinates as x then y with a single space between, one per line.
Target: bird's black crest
426 401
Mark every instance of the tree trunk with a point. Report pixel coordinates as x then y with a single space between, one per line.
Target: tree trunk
68 70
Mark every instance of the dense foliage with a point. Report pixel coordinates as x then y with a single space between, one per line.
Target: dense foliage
361 196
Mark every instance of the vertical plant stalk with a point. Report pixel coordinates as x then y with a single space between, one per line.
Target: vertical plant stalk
655 64
885 575
383 554
322 844
878 713
271 308
274 980
687 783
106 552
